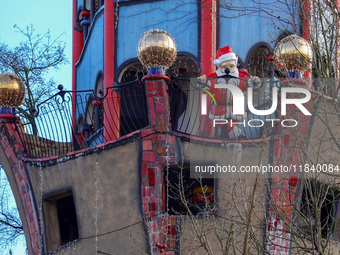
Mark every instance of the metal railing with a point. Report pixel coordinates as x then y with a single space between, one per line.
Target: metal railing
187 118
74 120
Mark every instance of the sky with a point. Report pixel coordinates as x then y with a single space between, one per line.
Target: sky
43 15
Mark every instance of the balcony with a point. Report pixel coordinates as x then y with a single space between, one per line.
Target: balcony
76 120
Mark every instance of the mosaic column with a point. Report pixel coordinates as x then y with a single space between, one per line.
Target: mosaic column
13 143
158 151
287 152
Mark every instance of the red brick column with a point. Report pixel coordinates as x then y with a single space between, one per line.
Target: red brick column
208 49
112 102
11 138
287 152
158 151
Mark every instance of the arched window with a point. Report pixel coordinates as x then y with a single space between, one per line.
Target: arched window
89 123
133 112
131 72
133 104
92 6
80 125
99 90
258 65
91 114
98 105
79 15
179 93
87 4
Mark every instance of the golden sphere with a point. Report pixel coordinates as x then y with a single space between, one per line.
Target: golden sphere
156 48
293 53
12 90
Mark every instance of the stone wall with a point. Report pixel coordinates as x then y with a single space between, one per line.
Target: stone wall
105 187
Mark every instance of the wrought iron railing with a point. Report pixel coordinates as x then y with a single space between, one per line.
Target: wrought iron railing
187 118
73 120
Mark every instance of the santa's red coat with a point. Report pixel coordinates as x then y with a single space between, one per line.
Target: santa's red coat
206 123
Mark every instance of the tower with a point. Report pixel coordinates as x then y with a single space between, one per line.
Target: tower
100 175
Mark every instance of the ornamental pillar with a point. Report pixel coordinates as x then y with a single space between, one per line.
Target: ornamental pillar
157 51
288 144
208 49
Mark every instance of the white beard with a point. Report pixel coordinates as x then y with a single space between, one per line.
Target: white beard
234 73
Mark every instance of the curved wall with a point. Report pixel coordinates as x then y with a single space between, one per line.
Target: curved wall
105 189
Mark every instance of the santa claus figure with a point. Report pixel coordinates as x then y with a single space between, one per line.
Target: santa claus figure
226 63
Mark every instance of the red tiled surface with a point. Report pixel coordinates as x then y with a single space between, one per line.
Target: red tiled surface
152 94
153 159
151 86
286 152
21 180
152 177
159 100
147 145
147 132
160 108
151 105
149 156
152 114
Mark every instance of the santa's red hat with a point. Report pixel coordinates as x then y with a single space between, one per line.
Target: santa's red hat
224 54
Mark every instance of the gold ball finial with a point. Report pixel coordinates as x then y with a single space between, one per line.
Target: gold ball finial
156 48
293 53
12 90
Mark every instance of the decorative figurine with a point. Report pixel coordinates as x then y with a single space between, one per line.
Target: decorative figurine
226 63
